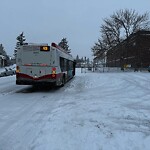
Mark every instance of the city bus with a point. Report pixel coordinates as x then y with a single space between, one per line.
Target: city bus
41 64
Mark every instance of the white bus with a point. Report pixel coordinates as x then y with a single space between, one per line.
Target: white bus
38 64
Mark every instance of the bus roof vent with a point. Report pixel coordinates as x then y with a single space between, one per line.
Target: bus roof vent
38 44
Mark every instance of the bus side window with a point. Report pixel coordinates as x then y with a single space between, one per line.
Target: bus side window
62 64
65 65
71 65
68 67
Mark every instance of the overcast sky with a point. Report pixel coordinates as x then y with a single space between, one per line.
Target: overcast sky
47 21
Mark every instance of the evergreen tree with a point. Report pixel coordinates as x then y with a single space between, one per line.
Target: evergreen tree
88 60
82 60
77 58
20 41
2 50
64 44
3 53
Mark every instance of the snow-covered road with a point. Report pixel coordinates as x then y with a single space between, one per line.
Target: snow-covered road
93 111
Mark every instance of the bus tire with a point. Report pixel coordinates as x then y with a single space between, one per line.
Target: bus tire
63 81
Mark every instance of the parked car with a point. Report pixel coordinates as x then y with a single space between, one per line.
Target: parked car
8 72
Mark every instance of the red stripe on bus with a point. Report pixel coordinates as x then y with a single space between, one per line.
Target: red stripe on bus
49 76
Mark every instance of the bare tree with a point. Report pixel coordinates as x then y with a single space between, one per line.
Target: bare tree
99 48
118 27
121 25
111 32
130 21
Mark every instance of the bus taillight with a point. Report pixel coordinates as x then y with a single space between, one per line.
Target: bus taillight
17 69
54 69
53 72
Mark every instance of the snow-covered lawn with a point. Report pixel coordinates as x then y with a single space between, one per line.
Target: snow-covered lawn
94 111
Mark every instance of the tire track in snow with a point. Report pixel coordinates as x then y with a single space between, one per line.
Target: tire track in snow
32 114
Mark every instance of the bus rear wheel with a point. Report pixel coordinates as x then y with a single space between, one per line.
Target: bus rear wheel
63 81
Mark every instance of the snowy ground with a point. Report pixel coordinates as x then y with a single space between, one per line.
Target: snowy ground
94 111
